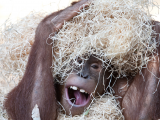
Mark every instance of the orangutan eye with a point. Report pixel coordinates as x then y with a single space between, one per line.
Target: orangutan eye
79 61
95 66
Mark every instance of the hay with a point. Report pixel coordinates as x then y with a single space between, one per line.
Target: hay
15 44
118 32
105 107
81 37
16 41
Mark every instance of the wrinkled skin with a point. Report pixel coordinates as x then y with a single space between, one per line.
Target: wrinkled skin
140 97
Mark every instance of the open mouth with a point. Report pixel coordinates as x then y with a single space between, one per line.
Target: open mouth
77 96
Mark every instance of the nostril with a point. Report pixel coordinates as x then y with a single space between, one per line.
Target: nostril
85 76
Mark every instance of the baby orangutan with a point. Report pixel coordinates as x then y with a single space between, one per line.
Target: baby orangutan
140 98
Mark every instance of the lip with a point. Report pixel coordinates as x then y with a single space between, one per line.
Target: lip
81 86
72 104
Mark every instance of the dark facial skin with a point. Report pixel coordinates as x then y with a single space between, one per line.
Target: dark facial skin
140 99
80 88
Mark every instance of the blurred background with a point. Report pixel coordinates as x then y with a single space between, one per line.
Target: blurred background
16 9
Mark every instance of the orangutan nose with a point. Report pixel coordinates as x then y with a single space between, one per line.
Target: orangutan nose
84 75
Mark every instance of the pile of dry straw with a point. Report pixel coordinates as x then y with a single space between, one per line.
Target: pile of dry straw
15 43
118 32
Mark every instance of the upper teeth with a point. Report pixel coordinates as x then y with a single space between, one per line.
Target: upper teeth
76 88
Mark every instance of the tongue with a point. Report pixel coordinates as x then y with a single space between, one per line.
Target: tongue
80 97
